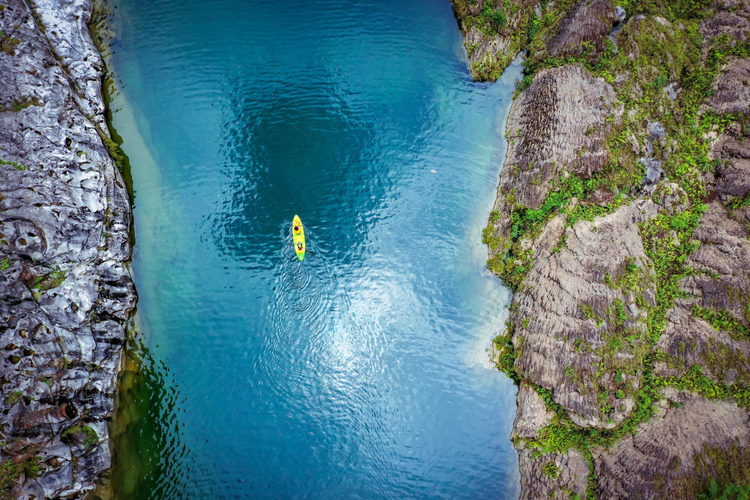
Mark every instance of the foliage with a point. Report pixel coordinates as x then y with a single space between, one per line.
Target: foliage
695 380
10 472
730 491
14 398
507 356
51 280
551 470
80 433
672 10
722 319
4 264
13 164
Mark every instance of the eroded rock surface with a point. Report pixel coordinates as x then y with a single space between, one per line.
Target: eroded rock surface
583 29
671 453
66 289
556 125
568 315
559 473
628 249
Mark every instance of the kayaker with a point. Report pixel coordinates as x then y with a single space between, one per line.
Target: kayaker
299 245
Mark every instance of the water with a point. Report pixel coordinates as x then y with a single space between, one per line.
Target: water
360 372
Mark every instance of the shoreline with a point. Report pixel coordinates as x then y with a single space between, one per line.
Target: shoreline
621 226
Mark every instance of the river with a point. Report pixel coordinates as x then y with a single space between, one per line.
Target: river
360 372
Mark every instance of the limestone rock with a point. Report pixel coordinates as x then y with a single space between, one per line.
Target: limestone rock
566 316
723 260
532 413
732 88
587 23
65 218
491 47
675 455
732 18
557 124
558 473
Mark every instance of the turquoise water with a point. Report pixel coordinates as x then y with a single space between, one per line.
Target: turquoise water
360 372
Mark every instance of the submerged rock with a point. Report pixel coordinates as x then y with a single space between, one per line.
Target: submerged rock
65 286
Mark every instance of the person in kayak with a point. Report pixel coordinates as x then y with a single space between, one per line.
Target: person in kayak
299 246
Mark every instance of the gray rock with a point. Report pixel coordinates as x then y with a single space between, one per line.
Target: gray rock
65 217
656 131
565 314
672 90
670 456
572 474
732 88
556 125
532 413
653 173
587 22
620 14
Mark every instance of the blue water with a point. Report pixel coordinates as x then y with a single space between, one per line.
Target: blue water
360 372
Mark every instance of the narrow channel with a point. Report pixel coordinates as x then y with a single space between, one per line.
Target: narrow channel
360 372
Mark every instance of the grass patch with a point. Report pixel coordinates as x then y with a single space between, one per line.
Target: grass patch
730 491
13 164
14 398
50 281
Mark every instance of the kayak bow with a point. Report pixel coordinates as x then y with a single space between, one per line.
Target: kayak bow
299 237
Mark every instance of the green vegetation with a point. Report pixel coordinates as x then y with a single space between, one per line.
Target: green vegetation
551 470
14 398
4 264
722 319
13 164
696 381
730 491
507 355
49 281
10 472
648 59
491 21
8 43
24 103
80 433
512 260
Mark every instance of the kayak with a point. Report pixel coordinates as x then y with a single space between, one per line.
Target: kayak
299 237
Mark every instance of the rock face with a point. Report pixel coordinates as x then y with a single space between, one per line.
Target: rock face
622 224
556 125
666 460
568 315
65 218
494 31
584 28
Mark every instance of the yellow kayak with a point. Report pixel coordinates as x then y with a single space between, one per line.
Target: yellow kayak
299 237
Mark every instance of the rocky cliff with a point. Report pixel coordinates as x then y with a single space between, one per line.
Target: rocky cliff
621 224
66 292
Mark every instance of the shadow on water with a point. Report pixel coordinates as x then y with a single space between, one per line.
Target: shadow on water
151 460
312 146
